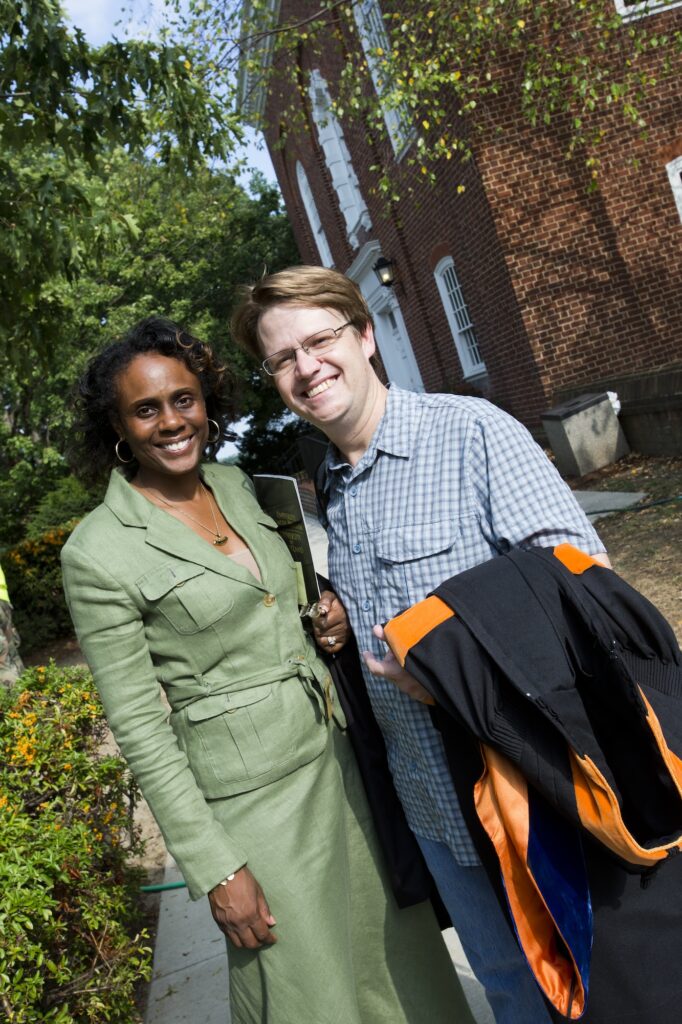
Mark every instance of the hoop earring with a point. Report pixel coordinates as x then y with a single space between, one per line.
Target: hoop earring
125 462
213 440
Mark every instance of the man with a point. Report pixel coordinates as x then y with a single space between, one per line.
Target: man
419 487
11 665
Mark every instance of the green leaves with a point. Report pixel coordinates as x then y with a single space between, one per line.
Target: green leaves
553 63
63 106
159 240
70 948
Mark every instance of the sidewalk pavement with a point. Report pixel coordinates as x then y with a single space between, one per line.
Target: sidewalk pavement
190 976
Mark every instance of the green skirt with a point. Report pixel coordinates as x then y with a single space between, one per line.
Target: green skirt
346 954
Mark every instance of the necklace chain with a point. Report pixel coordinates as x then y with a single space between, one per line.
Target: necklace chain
218 537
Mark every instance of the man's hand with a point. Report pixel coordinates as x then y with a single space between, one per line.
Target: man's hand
241 911
330 626
391 669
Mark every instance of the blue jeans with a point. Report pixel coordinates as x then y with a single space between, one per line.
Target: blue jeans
490 947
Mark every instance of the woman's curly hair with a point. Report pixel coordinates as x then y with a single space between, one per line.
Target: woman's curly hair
92 453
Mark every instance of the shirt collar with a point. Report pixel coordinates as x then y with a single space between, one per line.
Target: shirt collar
395 433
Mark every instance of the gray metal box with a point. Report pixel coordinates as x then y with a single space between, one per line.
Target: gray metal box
584 434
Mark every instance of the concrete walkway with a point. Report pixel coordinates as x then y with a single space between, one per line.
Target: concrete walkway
598 504
190 979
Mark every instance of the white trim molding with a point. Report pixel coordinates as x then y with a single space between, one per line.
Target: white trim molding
337 158
674 169
252 84
310 207
390 330
374 39
631 11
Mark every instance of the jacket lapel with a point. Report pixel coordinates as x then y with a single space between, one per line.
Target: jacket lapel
166 533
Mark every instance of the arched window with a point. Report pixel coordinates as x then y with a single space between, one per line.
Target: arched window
337 158
321 242
374 40
459 320
674 169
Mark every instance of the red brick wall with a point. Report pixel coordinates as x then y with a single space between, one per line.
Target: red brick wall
563 285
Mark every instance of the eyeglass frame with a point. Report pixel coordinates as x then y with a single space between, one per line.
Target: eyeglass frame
302 345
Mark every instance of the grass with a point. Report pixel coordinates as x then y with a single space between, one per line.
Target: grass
645 546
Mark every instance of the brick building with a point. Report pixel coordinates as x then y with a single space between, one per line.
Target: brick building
526 287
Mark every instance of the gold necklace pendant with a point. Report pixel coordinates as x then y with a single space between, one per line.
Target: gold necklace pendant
220 539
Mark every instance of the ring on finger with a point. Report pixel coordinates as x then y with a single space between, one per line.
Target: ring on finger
331 641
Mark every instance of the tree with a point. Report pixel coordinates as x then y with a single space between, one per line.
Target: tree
445 68
63 106
200 234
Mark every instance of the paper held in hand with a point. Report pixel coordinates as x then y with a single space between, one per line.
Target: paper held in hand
280 498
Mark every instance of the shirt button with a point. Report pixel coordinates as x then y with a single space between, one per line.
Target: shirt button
353 491
269 600
366 605
357 548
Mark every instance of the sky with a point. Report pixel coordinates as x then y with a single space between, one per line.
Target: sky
100 19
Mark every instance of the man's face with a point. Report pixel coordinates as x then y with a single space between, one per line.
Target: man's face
329 389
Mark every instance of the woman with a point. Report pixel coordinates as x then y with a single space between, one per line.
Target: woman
178 579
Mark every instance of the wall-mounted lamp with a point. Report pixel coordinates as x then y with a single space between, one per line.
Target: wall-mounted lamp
383 268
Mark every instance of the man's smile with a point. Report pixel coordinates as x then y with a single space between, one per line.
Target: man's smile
317 389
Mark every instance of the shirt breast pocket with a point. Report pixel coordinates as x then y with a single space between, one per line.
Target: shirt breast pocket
415 558
185 595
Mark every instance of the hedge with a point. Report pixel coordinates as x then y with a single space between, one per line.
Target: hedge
34 581
71 949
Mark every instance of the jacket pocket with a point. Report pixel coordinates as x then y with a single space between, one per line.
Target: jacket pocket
237 741
186 595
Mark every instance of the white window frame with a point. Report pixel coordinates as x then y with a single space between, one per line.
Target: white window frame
459 321
337 158
252 85
373 36
630 12
313 216
674 169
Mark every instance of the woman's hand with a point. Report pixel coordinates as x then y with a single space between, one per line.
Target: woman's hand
241 911
330 626
391 669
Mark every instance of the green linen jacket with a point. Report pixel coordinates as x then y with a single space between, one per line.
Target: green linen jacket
154 604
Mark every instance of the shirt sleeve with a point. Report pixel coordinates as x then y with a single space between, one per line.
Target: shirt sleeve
523 500
111 634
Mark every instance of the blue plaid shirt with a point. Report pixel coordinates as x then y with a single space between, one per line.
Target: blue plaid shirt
446 483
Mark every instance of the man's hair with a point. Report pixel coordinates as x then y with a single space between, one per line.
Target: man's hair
305 286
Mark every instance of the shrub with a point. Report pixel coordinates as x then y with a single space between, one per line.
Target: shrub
69 949
68 501
34 580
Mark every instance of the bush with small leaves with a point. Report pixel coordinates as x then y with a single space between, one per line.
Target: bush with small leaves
71 947
34 579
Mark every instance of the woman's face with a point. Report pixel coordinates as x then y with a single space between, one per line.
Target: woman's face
162 415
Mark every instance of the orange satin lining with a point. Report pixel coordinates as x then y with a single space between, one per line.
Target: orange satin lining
600 812
411 626
575 560
501 798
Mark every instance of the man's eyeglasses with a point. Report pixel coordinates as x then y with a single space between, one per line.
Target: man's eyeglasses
317 345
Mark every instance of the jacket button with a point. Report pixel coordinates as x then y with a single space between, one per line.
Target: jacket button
269 600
